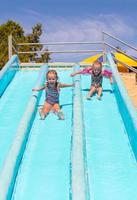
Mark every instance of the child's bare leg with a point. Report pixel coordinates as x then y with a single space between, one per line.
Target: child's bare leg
56 109
99 92
91 92
45 110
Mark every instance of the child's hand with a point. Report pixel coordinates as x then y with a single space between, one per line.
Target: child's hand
111 81
34 90
72 75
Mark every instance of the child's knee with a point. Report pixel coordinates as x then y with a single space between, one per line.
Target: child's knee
56 108
92 88
46 109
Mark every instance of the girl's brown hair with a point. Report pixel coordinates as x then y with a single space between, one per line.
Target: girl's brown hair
52 72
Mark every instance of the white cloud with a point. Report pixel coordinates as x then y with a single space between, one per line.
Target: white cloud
77 29
90 29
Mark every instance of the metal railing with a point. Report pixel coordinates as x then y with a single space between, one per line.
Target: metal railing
128 67
12 47
69 51
104 45
121 41
131 68
59 43
120 51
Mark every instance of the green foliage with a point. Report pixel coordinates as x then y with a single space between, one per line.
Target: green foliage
11 27
5 30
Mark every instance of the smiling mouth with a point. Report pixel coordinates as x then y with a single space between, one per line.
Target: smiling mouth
52 83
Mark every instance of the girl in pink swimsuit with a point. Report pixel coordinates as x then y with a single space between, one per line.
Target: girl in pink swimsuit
96 78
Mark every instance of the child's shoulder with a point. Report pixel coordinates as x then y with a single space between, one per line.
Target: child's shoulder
87 70
59 84
106 73
46 84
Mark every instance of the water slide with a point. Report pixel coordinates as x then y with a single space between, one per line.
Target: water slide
109 132
111 164
45 172
12 105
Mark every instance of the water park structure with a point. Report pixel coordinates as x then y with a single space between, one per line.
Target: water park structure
91 155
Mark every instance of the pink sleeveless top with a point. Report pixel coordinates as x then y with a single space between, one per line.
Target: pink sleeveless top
105 72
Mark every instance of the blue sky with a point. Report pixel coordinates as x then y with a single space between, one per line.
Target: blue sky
74 20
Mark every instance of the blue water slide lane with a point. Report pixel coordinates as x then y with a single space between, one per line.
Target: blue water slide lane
10 168
12 106
111 163
8 72
45 169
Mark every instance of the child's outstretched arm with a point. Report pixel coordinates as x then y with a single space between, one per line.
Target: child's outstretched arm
62 85
87 71
108 74
111 80
75 73
38 89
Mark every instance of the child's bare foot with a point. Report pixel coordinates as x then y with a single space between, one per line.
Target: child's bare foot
88 97
60 115
99 97
41 114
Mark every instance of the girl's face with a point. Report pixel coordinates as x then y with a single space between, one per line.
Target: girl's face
97 69
52 79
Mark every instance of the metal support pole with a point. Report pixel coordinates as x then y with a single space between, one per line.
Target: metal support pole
10 46
103 47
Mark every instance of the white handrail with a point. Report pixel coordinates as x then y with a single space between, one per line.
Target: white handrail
121 51
69 51
120 40
58 43
129 67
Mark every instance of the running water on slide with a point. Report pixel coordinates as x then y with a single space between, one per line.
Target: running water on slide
45 169
12 105
111 165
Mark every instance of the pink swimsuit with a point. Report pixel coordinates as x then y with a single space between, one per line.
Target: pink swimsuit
87 71
105 72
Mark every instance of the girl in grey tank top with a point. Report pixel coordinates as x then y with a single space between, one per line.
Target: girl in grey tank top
52 93
52 88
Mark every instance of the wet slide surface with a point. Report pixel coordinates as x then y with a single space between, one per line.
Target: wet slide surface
12 106
45 172
112 167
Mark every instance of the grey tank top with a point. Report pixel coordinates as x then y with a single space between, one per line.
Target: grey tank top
52 94
97 79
